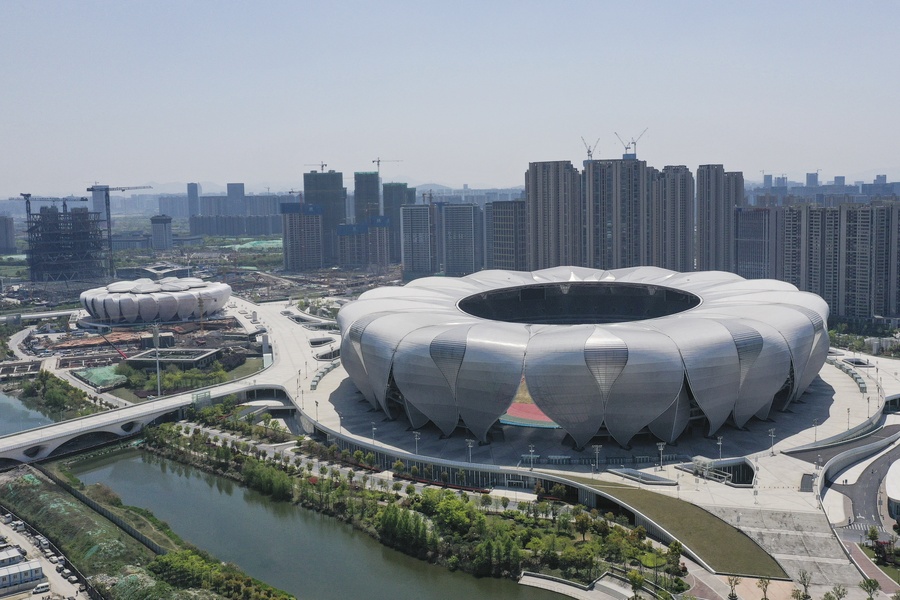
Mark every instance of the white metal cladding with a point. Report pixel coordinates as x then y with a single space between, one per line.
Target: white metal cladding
560 382
143 300
490 374
649 383
420 380
710 361
731 354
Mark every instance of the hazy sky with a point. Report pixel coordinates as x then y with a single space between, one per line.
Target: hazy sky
128 92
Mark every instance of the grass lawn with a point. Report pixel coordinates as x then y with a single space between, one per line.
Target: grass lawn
125 394
724 548
248 368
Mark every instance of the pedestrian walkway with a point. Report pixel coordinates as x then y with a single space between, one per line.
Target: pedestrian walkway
888 585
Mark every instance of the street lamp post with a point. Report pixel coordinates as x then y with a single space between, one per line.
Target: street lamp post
815 430
470 443
719 443
317 411
660 445
531 455
417 435
373 431
848 418
772 435
597 448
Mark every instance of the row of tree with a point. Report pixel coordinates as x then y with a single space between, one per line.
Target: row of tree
466 531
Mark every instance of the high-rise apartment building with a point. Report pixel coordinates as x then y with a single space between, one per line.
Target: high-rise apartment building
618 214
193 199
719 192
302 236
161 232
757 237
234 205
7 235
674 219
812 179
504 226
849 255
327 191
417 248
462 238
395 196
366 197
353 246
554 214
379 240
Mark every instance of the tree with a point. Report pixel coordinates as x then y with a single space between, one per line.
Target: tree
637 582
804 578
872 535
763 585
839 592
583 523
733 582
870 587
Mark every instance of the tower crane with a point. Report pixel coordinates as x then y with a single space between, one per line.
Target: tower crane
590 149
322 164
29 198
632 145
380 160
108 215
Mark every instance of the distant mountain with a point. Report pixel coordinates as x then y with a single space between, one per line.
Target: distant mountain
432 187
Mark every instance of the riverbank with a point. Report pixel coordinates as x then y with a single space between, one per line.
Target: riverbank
117 565
448 527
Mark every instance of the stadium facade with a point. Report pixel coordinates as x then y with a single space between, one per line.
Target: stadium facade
148 301
599 352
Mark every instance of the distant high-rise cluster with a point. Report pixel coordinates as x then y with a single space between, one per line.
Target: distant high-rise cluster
620 213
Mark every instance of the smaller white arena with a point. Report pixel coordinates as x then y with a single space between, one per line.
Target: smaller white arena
148 301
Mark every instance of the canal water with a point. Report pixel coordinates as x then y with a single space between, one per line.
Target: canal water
300 551
15 417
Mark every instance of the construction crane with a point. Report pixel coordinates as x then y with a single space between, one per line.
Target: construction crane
29 198
631 147
590 149
322 164
108 215
380 160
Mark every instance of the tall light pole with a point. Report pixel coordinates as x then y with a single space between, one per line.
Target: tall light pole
660 445
815 430
417 435
373 431
772 435
156 343
317 411
597 448
719 443
470 443
848 418
531 455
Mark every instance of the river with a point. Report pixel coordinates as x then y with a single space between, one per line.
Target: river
300 551
15 417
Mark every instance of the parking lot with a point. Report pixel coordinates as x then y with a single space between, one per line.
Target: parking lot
60 588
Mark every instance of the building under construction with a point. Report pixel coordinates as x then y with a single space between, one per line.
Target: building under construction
66 245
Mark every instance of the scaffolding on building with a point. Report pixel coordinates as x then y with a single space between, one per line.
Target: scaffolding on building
67 245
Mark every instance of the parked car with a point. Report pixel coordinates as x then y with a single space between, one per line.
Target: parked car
73 578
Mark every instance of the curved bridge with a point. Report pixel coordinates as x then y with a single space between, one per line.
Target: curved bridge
36 444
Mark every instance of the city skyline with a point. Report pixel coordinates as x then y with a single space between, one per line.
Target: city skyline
127 94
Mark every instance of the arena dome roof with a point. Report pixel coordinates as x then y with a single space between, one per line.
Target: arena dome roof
147 301
617 351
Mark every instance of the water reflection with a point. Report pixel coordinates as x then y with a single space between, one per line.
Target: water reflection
302 552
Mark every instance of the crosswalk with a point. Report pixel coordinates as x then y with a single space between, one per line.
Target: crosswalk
862 526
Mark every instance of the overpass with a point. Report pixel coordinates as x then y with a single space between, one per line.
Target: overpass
293 358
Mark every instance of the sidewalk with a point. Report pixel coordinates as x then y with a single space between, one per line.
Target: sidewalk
888 585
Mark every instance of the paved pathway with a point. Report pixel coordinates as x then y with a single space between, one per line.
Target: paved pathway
888 585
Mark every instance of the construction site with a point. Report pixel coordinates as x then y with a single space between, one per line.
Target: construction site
65 245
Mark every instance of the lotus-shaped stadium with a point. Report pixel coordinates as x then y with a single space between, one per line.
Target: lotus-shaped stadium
598 352
147 301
